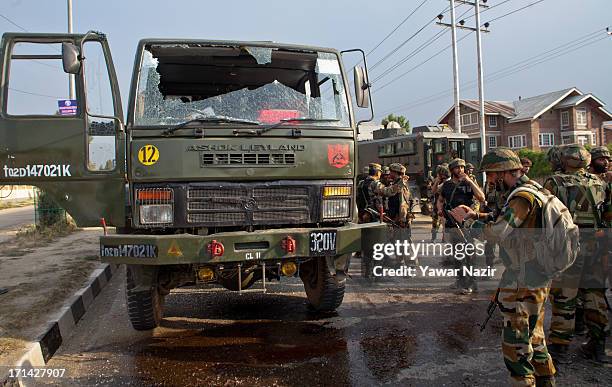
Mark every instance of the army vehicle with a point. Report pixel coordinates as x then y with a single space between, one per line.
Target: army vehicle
236 162
420 152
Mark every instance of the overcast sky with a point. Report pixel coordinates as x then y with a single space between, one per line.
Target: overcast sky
345 24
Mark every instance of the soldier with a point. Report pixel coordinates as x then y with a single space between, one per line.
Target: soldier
399 212
522 293
386 177
526 163
584 194
371 192
442 174
469 169
458 190
363 174
600 162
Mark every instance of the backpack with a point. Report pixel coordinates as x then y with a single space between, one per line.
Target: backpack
362 195
557 248
581 194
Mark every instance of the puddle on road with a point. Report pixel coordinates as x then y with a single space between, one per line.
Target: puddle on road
389 352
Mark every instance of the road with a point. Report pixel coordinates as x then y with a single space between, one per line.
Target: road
395 331
13 218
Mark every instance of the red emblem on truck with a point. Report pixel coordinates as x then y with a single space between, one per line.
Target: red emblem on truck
338 155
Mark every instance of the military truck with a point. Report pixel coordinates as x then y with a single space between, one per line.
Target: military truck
235 164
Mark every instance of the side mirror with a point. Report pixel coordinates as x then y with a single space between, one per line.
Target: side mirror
70 58
362 87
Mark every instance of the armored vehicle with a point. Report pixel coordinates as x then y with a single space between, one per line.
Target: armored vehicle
235 164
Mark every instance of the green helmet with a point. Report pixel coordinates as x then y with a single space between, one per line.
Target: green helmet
574 156
500 159
397 167
456 163
386 170
553 158
442 170
599 151
469 166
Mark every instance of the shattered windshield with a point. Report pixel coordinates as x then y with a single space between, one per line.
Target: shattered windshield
178 83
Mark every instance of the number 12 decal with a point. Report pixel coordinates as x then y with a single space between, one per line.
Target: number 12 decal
148 155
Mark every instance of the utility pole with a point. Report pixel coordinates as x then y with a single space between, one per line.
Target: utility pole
453 27
71 83
478 30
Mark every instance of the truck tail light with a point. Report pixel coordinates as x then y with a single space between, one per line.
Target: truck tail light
216 249
288 244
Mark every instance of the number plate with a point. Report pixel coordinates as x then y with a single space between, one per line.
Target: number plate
323 242
132 251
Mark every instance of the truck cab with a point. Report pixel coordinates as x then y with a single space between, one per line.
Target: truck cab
234 165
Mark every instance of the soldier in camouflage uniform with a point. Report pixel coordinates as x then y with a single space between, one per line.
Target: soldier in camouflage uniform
585 196
527 164
399 205
442 174
523 289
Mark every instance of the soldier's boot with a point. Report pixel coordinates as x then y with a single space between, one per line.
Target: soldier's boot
559 353
595 350
580 328
545 381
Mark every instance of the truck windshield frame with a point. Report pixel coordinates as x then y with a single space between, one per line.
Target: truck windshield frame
177 83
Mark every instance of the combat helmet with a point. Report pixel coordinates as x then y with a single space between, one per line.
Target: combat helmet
553 158
574 156
386 170
469 166
599 151
500 159
442 169
397 167
456 163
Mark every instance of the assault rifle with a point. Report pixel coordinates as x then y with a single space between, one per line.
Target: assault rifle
385 218
454 222
490 310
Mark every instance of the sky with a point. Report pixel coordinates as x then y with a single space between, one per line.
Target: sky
346 24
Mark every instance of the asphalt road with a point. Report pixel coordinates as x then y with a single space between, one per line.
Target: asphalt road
13 218
396 331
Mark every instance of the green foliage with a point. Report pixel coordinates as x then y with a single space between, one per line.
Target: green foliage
401 120
48 212
540 167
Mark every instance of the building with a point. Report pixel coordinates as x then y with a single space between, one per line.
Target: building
608 132
561 117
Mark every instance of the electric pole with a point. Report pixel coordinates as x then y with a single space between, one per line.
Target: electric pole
71 85
453 27
478 30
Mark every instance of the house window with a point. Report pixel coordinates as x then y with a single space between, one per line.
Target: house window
473 147
583 140
593 139
516 142
469 119
493 121
581 117
547 139
566 140
564 119
492 141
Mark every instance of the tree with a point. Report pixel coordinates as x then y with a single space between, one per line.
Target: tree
401 120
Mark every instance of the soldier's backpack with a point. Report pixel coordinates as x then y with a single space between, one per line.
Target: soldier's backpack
582 195
362 195
557 248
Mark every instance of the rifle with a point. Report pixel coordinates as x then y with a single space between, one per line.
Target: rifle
384 218
454 222
490 310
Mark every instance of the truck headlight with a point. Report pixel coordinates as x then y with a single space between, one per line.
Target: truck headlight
156 214
336 208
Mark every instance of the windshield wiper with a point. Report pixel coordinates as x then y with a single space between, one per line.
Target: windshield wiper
282 122
217 119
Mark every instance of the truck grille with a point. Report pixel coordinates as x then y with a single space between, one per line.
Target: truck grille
250 204
251 159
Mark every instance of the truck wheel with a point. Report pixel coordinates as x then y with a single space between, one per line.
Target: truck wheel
324 291
144 308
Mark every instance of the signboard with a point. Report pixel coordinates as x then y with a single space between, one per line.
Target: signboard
67 107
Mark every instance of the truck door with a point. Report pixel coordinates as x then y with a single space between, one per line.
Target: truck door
69 144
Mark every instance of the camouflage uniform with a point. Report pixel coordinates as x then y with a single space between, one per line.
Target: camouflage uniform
399 206
523 288
442 174
583 193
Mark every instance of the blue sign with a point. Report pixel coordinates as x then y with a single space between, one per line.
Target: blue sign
67 107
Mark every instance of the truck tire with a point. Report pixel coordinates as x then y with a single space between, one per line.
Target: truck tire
145 309
323 290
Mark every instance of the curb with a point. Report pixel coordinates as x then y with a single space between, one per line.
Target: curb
46 345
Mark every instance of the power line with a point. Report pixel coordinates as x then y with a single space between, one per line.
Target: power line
397 27
13 23
515 11
511 70
35 94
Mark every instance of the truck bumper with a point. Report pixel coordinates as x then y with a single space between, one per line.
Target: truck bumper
237 246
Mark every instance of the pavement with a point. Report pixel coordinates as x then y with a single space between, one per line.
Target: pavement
12 219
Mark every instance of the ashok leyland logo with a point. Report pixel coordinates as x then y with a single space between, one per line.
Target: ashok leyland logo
338 155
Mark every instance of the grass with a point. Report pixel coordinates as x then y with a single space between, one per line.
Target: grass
31 237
